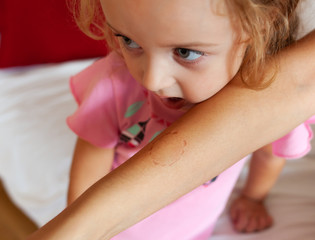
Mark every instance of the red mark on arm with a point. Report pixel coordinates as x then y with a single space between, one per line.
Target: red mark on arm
175 150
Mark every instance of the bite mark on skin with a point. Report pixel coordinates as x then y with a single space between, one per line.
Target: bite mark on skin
176 151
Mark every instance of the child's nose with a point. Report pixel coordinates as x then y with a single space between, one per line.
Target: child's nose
157 77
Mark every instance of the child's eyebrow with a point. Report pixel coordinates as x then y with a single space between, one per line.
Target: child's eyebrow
191 44
114 29
178 45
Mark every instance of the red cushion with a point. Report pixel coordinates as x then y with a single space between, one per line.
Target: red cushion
42 31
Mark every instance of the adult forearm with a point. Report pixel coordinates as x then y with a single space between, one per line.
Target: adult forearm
200 145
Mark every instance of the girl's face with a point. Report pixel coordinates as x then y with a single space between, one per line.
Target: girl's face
185 51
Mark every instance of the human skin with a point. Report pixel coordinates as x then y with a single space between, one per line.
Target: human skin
193 52
89 164
248 211
182 67
102 211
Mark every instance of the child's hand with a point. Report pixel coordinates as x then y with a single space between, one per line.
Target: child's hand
248 215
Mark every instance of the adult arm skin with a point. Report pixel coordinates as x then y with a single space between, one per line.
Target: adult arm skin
208 139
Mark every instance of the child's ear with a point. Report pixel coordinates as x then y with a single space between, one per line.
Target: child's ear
241 34
244 36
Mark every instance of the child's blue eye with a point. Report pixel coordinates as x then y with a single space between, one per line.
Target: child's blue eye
187 54
129 43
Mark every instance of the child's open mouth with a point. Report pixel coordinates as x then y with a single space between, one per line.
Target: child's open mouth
174 102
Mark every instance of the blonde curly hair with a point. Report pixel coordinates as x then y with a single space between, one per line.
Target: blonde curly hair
270 25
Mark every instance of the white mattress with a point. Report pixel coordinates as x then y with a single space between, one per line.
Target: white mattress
36 148
35 143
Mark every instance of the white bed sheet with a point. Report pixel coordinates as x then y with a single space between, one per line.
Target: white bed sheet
35 143
36 148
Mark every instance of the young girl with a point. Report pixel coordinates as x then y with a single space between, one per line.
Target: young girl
289 100
170 55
